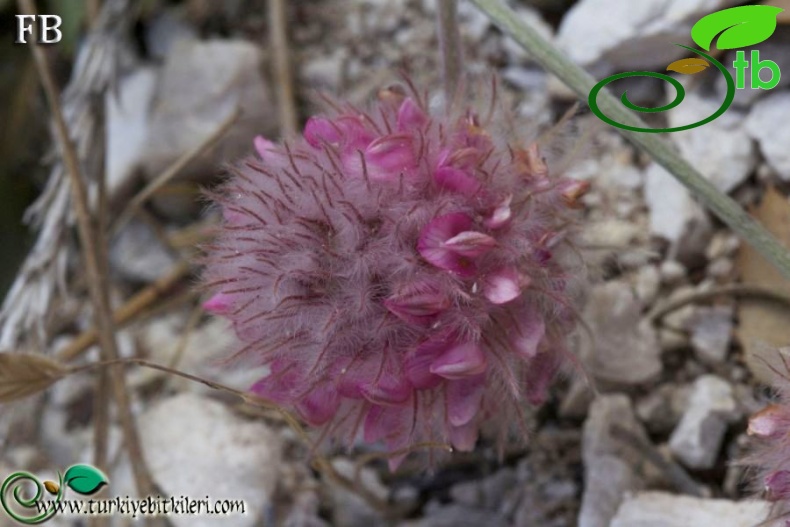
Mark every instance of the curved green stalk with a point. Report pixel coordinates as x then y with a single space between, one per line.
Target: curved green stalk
554 61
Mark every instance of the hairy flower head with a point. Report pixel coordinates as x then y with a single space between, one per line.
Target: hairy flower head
403 272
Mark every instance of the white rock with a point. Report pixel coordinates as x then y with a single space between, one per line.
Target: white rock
625 351
674 215
201 85
711 334
127 126
661 509
325 71
611 469
647 284
672 272
610 34
139 255
767 123
721 150
697 438
196 447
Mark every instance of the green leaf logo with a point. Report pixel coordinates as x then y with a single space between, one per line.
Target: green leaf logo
84 479
739 26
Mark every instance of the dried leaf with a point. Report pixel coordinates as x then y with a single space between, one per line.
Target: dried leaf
689 66
764 326
22 375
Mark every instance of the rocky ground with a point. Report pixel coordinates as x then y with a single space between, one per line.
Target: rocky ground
674 347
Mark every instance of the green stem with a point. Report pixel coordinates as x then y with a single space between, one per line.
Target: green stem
554 61
450 45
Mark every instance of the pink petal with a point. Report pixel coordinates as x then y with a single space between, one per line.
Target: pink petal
463 399
218 304
768 422
462 158
501 215
464 437
418 302
356 136
319 130
460 361
777 485
431 244
470 243
388 390
527 334
410 116
263 146
391 154
320 405
393 426
456 180
417 365
504 285
280 385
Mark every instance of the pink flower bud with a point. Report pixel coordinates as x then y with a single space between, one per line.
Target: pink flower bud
456 180
504 285
470 243
769 422
319 130
418 302
391 154
460 361
410 116
501 215
263 146
218 304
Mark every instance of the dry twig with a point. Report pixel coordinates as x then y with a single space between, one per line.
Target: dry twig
97 278
282 67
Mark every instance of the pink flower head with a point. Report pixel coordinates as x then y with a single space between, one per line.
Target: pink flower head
399 272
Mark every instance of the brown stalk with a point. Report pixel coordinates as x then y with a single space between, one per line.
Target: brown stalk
278 36
97 279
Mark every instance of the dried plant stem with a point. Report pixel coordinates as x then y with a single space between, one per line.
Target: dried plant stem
130 310
173 170
278 36
736 290
553 60
450 45
97 279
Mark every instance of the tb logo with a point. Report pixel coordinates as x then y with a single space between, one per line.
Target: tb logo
48 28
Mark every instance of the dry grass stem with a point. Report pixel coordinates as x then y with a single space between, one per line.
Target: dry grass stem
286 98
97 280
